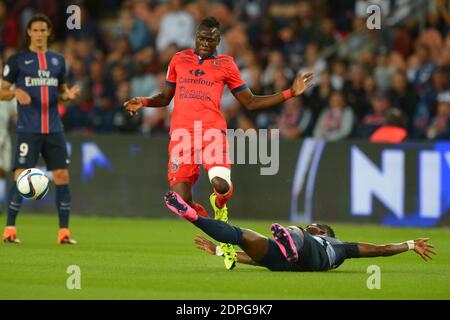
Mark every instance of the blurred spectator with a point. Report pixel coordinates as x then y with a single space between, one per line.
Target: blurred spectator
90 31
427 106
320 94
117 117
177 26
9 28
326 35
383 72
336 121
420 69
339 74
294 120
439 127
293 43
403 96
370 89
134 29
354 91
377 117
393 131
313 62
154 120
275 63
125 45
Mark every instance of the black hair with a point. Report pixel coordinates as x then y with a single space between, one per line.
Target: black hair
395 117
329 230
38 17
210 22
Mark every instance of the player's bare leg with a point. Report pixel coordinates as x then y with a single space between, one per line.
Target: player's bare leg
184 189
223 191
63 204
254 244
14 203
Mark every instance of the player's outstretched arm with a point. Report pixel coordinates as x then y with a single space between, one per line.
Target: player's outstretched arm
252 102
7 94
420 246
209 247
157 101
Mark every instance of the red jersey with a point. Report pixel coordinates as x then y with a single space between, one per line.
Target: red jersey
199 85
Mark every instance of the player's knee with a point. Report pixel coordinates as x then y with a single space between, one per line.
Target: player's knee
61 176
220 178
220 185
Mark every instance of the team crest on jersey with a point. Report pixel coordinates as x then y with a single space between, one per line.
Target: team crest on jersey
54 61
174 166
215 63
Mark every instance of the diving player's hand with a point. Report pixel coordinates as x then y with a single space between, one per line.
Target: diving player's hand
73 93
301 84
22 97
423 248
205 245
133 105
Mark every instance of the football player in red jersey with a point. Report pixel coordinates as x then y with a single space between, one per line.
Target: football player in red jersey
195 79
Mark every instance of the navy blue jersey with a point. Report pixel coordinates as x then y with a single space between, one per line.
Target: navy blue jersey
40 75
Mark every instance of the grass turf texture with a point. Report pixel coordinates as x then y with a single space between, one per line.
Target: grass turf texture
157 259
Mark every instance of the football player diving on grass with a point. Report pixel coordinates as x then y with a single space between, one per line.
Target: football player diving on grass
292 248
196 79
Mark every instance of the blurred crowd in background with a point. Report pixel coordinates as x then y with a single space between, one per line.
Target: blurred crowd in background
123 49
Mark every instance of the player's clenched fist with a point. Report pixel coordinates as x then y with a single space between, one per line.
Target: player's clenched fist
133 105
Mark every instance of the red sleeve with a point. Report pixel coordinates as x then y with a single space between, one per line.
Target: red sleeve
234 80
171 78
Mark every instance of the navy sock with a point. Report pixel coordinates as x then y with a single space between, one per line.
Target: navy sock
219 230
63 203
14 204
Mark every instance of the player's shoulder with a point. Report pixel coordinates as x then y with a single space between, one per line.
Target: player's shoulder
225 60
55 55
19 55
188 53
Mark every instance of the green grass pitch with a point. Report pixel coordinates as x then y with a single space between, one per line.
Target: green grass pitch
156 259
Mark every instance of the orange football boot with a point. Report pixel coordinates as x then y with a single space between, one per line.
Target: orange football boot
64 237
9 235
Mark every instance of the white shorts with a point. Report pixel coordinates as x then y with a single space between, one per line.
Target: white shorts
5 152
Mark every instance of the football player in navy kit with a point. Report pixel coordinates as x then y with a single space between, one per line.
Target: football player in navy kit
314 248
39 78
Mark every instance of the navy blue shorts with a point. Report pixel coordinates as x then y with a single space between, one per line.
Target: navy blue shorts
275 260
51 146
312 256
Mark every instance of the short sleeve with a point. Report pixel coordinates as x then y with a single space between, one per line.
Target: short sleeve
351 249
234 80
171 78
11 70
62 74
